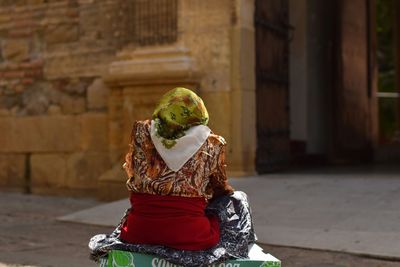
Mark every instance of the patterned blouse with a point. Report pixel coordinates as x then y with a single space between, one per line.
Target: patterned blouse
203 175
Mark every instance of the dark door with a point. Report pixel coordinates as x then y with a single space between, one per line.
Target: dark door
355 113
272 86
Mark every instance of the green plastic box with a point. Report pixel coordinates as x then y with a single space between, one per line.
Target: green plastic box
117 258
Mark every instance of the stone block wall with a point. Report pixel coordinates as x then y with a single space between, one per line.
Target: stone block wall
53 103
60 125
220 37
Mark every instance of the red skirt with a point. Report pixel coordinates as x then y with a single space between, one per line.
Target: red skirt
173 221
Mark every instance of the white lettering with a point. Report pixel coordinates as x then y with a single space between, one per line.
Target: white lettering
154 262
171 264
157 262
229 264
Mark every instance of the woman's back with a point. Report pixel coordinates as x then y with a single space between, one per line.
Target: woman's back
203 175
176 170
168 206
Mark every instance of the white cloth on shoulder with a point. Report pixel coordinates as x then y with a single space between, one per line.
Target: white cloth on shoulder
185 147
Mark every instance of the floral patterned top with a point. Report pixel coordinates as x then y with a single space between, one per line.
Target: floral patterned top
203 175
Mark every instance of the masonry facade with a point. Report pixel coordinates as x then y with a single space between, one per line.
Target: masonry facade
75 74
282 79
53 103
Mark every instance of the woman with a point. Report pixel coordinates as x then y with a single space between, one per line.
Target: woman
183 208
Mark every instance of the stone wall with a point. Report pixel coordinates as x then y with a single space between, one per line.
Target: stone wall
53 103
216 45
220 36
62 129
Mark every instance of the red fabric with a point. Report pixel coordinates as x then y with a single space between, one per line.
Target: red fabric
173 221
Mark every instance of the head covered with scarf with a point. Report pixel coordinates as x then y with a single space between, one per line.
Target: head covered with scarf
177 111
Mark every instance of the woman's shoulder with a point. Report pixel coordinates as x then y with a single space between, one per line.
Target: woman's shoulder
216 139
141 131
141 125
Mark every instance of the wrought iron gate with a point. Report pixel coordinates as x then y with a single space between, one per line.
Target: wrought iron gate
272 84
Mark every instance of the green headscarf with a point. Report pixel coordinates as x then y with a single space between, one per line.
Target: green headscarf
177 111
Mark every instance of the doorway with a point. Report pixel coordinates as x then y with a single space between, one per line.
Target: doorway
388 55
272 84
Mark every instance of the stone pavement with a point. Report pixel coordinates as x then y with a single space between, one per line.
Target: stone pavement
30 235
349 209
337 209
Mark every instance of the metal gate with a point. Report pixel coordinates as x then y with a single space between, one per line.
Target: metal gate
272 84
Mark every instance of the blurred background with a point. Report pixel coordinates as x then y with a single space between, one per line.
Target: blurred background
288 83
292 85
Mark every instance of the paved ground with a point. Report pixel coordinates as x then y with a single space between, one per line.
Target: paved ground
349 209
337 209
30 235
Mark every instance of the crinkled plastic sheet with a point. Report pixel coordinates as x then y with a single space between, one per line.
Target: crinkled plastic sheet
237 232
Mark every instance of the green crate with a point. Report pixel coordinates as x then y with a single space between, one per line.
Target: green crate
118 258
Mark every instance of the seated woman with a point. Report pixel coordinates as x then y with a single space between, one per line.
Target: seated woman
182 207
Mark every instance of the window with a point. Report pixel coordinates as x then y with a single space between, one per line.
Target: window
154 22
